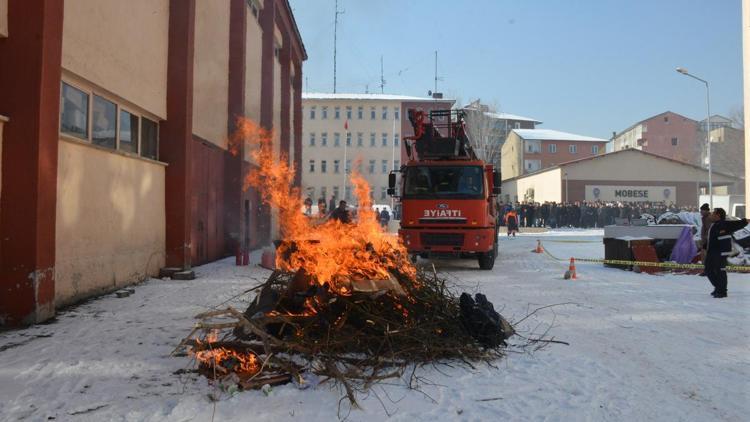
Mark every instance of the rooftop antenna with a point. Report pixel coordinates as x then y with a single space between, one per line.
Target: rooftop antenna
382 81
307 84
335 30
436 75
367 88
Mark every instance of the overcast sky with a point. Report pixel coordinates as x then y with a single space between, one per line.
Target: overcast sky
588 67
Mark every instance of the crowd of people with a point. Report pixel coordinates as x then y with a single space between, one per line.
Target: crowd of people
580 214
342 212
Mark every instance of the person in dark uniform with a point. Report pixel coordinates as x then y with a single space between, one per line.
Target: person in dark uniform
341 213
718 247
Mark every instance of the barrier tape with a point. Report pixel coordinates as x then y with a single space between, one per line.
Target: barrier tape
670 265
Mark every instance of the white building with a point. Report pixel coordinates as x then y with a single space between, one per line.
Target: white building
344 132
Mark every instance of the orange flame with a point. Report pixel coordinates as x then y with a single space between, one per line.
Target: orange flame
327 250
224 360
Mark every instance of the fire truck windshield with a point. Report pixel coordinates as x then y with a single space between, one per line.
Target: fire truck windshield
426 182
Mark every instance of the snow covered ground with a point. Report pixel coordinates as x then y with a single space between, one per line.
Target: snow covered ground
641 348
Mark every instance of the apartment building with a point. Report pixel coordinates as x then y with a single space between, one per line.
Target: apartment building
667 134
530 150
363 132
115 123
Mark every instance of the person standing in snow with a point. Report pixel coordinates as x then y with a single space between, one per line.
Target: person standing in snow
718 247
511 220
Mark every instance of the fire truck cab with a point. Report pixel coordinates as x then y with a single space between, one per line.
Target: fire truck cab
447 193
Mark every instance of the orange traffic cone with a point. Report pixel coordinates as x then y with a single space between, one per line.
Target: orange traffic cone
539 248
572 269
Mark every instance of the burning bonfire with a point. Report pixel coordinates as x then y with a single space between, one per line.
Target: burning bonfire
345 303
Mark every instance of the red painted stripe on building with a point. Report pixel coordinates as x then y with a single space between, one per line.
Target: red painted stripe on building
30 97
175 133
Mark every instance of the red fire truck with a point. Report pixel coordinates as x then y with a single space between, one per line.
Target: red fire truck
447 193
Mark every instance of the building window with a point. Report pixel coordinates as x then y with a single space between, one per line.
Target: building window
337 139
384 139
372 139
336 166
324 139
383 192
360 112
396 112
517 125
128 132
552 148
312 166
348 139
674 141
323 166
337 113
323 192
384 166
104 123
595 149
359 138
371 168
312 139
395 140
74 116
324 113
348 167
396 164
385 113
348 112
336 191
312 112
359 166
347 193
372 113
666 119
149 138
573 149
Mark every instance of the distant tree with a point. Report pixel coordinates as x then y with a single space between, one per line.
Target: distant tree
486 133
737 115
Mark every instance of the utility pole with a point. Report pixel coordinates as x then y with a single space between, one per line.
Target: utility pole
335 30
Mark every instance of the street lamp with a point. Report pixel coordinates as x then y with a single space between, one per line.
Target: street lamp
708 134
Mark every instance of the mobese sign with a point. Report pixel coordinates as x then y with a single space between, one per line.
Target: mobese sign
665 194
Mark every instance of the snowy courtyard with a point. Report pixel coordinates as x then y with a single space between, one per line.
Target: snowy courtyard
641 347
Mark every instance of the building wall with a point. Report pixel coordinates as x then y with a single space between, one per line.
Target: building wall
686 195
563 154
3 120
546 186
656 135
110 224
253 62
511 157
314 182
3 18
126 55
746 97
211 71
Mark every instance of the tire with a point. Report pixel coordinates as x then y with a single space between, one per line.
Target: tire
487 259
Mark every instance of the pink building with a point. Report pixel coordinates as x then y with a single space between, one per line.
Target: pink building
530 150
667 134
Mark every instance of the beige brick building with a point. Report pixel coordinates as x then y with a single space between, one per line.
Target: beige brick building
341 132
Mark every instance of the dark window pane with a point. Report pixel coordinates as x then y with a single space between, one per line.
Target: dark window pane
74 112
104 122
128 132
149 138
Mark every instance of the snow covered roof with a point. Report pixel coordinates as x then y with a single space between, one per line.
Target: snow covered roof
553 135
508 116
351 96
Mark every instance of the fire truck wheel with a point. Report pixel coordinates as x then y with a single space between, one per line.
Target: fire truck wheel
487 259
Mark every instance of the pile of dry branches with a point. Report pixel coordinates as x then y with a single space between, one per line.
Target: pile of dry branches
295 330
